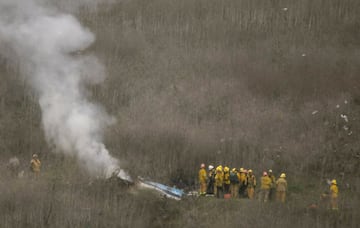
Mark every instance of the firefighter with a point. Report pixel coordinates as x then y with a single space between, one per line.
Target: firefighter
202 180
211 180
35 165
251 184
234 183
334 191
226 180
265 187
243 182
273 185
281 188
219 178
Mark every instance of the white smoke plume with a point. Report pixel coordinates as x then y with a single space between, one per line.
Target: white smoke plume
43 41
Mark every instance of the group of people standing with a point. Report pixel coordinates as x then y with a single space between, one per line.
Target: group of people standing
223 182
241 183
14 167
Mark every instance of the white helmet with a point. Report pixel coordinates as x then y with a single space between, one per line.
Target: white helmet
211 167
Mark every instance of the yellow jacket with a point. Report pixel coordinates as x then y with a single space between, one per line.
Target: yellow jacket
251 181
265 182
227 178
273 180
202 175
281 185
219 177
334 190
211 173
239 176
35 165
242 179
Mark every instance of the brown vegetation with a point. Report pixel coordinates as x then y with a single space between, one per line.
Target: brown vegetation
232 82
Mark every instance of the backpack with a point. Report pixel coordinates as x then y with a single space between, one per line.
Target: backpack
234 178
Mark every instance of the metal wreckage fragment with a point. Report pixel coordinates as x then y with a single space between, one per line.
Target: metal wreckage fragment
140 182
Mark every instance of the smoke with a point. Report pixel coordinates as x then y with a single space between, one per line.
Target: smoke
73 6
44 43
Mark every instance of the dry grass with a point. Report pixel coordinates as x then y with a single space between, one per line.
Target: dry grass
230 81
100 203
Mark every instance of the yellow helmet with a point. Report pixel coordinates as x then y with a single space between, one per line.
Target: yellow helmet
226 169
241 170
333 181
283 175
250 171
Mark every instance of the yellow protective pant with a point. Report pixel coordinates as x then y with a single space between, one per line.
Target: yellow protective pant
264 195
334 202
251 192
280 196
234 189
203 188
35 175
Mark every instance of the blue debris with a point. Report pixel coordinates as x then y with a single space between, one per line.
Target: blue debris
167 191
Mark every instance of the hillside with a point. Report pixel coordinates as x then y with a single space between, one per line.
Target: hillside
243 83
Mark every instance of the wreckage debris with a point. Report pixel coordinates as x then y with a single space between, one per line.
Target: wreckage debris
164 190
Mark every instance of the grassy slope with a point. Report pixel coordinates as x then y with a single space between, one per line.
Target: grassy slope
204 81
108 204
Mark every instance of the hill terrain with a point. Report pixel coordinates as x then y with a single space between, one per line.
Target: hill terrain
249 83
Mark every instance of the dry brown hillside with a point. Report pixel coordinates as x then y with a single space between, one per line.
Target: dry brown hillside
244 83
